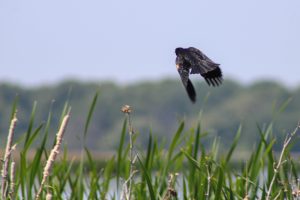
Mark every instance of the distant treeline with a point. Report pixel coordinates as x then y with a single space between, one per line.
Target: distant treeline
158 107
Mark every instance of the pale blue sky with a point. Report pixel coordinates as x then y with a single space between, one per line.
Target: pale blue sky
47 41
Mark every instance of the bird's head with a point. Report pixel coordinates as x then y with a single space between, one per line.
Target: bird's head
179 51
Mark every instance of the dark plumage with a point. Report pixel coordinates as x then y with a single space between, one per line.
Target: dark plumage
193 61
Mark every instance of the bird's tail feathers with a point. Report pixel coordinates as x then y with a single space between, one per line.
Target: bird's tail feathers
191 91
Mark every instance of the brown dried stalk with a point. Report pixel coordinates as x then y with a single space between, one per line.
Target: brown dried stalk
127 110
54 153
280 161
9 148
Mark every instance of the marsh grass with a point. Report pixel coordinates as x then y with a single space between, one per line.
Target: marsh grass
182 169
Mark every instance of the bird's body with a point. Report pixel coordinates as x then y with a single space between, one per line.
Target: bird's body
193 61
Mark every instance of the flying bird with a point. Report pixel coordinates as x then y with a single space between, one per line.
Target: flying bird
193 61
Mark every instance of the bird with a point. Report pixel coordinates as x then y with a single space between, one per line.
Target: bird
192 61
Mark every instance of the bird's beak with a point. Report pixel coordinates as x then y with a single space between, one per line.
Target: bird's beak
177 67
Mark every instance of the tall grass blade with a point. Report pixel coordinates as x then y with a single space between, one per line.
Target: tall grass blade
148 180
14 107
282 107
147 162
32 137
35 165
64 112
219 184
173 145
90 113
31 121
120 150
107 175
192 160
233 146
197 142
175 140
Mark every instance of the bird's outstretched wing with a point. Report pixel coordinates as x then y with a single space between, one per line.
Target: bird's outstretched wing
184 75
213 77
201 64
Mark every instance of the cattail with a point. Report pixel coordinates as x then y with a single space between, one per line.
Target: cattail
54 153
12 179
9 148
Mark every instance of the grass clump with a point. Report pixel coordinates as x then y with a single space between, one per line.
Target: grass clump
181 169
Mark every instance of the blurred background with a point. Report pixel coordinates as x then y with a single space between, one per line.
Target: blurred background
57 51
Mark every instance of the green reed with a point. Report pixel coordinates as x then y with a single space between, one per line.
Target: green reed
181 169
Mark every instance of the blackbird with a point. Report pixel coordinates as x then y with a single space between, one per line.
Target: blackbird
193 61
